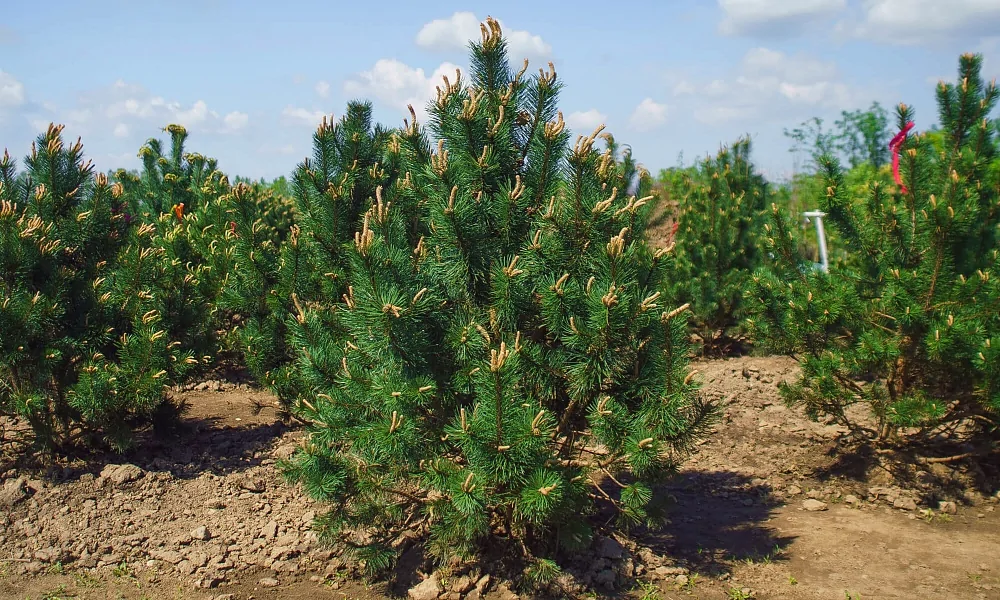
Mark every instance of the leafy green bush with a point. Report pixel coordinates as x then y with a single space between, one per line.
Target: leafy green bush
909 328
720 206
83 353
498 345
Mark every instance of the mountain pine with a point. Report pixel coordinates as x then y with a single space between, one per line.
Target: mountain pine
498 360
909 329
84 354
720 208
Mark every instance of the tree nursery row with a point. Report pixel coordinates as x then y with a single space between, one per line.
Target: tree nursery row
478 320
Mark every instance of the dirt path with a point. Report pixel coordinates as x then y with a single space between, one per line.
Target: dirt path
208 516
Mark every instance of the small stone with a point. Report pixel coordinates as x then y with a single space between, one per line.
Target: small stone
981 515
851 499
793 490
121 474
608 547
254 485
813 505
483 583
270 531
268 582
427 589
201 533
462 584
904 503
681 579
606 578
504 593
14 490
225 597
947 507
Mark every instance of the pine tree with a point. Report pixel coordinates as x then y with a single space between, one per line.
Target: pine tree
83 353
910 329
181 193
499 348
273 278
720 207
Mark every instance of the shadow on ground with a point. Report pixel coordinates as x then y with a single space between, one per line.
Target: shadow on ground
221 433
718 518
906 468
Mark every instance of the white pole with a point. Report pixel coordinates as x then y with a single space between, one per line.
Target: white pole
821 236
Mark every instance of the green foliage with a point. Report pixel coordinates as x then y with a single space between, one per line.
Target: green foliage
497 345
83 351
272 280
720 205
860 136
910 328
180 193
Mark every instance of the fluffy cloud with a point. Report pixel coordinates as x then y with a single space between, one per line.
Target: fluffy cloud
648 114
124 107
776 18
922 21
302 116
11 91
585 121
769 83
236 120
397 84
283 150
454 33
322 89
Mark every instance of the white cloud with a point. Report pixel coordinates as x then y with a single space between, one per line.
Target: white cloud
682 88
124 108
322 89
11 91
775 18
928 21
769 83
454 33
649 114
302 116
398 84
586 121
284 150
236 120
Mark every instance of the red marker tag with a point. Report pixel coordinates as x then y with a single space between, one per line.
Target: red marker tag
894 145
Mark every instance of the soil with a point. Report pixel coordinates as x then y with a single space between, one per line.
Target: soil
772 505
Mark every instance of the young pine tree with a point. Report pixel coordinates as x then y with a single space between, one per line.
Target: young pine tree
911 328
272 279
180 193
83 351
499 361
720 207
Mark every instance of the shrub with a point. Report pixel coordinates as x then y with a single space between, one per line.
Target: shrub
83 352
720 207
909 328
499 357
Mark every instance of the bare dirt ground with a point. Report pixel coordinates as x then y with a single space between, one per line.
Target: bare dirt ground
763 509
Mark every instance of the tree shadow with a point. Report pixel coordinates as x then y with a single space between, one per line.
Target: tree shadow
907 468
717 518
185 447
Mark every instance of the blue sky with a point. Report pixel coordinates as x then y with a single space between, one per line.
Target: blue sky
251 79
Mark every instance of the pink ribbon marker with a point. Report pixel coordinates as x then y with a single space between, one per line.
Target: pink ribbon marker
894 145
